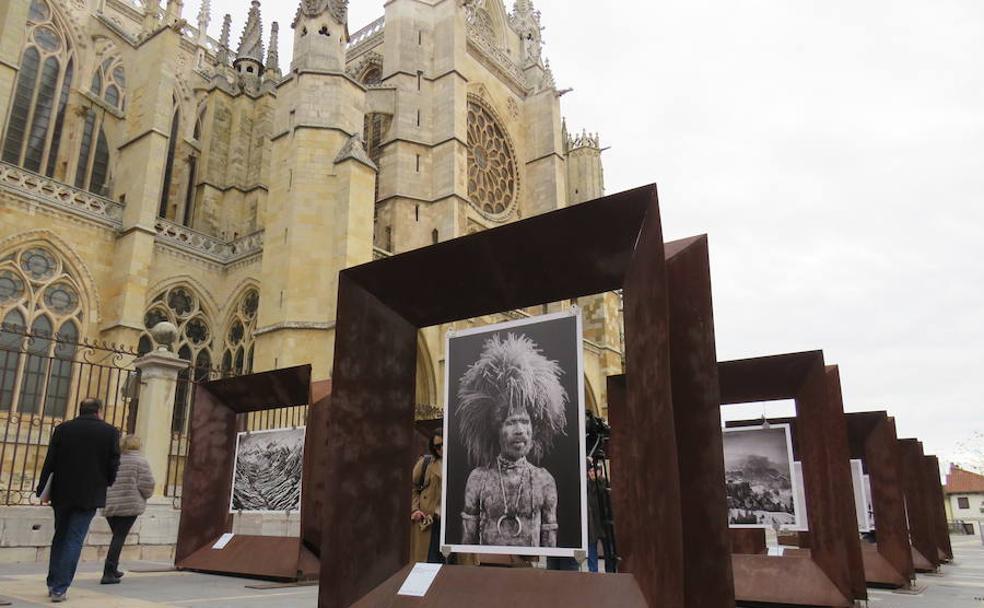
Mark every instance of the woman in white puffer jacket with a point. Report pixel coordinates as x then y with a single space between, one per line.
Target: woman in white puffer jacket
126 500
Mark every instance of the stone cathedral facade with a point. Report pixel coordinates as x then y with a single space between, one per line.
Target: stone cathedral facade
149 172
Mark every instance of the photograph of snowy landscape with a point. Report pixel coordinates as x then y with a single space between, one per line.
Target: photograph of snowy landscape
268 471
758 473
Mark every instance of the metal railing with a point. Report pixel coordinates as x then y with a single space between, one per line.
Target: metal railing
43 377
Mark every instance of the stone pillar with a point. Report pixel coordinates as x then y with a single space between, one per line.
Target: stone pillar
159 371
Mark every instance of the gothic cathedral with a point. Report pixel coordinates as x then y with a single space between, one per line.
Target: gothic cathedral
151 173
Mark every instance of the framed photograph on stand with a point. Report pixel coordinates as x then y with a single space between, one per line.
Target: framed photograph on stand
515 478
267 471
760 478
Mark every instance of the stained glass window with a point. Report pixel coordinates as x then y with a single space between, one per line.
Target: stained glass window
169 163
39 11
40 95
492 169
39 263
37 291
182 307
109 82
238 354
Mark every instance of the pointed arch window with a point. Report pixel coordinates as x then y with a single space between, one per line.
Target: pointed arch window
181 306
109 82
372 75
93 168
39 295
240 341
40 95
169 164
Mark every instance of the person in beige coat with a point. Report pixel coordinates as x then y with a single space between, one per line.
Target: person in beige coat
425 508
126 500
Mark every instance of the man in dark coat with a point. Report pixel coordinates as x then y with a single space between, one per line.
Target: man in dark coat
83 457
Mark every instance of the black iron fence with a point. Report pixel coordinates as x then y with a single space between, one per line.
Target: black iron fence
43 377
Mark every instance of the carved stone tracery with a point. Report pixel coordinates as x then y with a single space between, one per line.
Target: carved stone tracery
338 9
493 177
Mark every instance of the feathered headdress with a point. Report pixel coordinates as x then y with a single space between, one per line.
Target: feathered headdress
511 374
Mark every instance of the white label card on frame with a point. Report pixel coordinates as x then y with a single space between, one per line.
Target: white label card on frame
419 580
223 541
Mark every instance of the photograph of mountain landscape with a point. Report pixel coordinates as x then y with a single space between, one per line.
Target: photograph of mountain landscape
758 472
268 471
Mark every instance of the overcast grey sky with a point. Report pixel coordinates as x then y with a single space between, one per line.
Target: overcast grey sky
832 149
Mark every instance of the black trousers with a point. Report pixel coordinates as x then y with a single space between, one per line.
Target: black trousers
434 555
120 527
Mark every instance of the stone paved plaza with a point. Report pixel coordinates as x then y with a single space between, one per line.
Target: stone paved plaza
961 585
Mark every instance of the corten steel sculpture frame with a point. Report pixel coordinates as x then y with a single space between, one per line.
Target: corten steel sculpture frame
832 575
937 503
207 482
918 497
369 430
872 437
708 579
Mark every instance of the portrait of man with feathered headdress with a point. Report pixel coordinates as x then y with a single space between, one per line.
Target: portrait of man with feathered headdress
511 407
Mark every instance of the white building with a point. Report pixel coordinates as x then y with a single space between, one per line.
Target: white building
965 497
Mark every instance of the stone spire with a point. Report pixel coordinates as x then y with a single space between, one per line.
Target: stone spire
152 9
273 53
251 44
525 21
204 18
223 55
173 12
338 9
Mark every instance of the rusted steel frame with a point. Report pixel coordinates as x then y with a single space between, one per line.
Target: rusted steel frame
696 399
917 502
207 482
520 587
364 443
873 439
937 499
367 434
834 543
838 443
650 468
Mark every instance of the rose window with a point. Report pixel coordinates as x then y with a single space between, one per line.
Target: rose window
492 175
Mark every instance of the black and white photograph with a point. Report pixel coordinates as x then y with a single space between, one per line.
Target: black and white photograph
758 465
860 494
869 504
267 472
515 474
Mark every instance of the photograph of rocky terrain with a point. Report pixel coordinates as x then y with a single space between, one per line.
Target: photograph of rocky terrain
758 473
268 471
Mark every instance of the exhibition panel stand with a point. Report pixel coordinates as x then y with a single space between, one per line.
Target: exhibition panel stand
828 574
752 541
918 497
514 587
937 502
708 579
368 432
208 478
873 440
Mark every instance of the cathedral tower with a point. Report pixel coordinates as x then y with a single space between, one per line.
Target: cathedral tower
319 214
585 175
